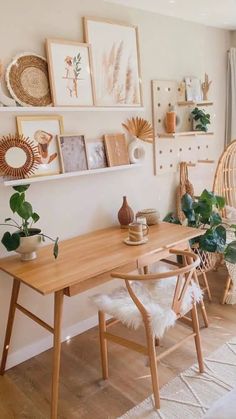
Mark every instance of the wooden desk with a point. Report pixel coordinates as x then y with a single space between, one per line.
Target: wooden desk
83 263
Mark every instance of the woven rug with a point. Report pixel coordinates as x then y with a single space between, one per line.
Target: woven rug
191 394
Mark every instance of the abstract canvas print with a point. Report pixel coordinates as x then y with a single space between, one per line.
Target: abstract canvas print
70 73
73 153
96 154
116 62
116 149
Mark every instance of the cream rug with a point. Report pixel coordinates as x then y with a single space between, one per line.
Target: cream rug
191 394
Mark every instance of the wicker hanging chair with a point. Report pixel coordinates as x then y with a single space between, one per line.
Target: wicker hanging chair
225 185
225 176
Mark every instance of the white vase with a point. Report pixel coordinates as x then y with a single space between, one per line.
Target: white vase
28 245
136 151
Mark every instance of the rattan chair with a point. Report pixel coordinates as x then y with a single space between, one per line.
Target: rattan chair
225 185
155 301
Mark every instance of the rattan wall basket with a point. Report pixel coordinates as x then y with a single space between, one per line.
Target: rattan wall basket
27 80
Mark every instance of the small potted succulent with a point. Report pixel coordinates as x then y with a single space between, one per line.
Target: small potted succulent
201 119
26 239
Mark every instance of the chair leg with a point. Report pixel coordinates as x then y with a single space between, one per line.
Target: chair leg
202 305
207 286
103 344
227 287
197 338
153 363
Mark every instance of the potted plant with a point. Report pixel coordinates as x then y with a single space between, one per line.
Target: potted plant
201 119
26 239
204 213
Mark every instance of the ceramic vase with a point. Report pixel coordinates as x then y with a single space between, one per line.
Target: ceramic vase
136 151
125 214
28 246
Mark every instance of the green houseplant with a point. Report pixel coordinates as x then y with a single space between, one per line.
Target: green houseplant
201 119
204 213
26 238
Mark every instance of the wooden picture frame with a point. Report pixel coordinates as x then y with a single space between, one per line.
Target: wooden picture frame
73 153
116 149
96 153
116 62
70 73
42 131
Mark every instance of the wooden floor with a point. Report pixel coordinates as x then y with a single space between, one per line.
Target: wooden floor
25 389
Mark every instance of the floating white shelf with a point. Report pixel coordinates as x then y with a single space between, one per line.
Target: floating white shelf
183 134
36 179
54 109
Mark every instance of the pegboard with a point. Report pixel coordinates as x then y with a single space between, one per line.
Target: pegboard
169 151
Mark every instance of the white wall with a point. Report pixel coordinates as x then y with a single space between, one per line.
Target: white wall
170 49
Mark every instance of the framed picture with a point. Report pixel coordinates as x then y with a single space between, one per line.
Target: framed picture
116 62
193 89
43 131
72 153
96 154
116 149
70 73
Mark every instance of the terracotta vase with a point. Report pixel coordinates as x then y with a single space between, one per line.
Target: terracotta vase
125 214
170 122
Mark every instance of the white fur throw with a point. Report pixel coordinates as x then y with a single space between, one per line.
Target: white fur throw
156 296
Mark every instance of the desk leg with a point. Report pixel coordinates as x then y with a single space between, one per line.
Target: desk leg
58 306
11 316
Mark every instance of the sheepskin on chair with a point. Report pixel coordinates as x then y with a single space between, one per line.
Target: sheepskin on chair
156 296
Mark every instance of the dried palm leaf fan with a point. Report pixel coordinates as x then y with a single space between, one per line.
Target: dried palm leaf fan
19 156
225 176
140 128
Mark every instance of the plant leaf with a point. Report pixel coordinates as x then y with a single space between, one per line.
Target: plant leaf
11 241
21 188
230 252
16 201
56 248
35 217
25 211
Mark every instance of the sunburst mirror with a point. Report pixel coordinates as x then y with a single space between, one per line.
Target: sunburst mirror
18 156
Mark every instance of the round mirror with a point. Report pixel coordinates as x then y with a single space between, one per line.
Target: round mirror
15 157
19 156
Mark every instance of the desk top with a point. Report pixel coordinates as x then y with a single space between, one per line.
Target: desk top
90 255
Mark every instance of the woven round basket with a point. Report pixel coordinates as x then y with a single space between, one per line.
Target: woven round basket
27 80
151 214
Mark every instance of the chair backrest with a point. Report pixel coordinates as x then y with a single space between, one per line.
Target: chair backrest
184 275
225 176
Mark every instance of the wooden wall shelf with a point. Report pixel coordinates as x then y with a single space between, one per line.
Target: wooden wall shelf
37 179
52 109
192 103
183 134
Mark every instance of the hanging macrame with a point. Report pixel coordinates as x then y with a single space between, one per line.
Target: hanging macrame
185 186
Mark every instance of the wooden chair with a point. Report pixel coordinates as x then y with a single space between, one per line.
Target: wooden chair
225 185
144 302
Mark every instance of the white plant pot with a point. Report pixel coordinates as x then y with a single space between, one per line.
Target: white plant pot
136 151
28 246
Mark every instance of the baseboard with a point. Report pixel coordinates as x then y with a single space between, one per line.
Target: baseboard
42 345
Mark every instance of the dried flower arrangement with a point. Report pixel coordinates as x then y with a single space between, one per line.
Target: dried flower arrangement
140 128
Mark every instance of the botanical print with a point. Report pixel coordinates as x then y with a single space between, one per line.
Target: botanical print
43 132
193 89
96 154
115 62
73 153
70 73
